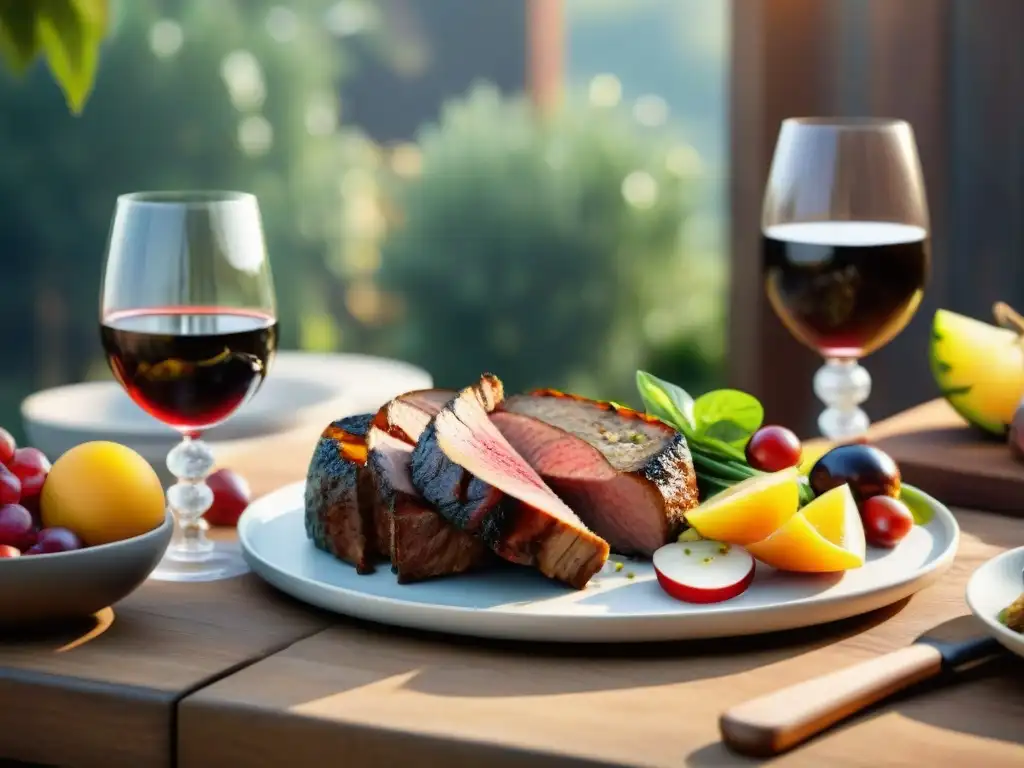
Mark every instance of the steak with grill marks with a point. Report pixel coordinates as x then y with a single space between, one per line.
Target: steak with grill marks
422 544
628 476
339 494
470 473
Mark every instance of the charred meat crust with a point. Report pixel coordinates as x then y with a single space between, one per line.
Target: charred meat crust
338 510
421 543
633 442
513 528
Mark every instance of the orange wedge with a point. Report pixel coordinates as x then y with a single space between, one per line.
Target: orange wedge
749 511
824 537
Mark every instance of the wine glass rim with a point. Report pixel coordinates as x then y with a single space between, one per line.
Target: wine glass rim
847 123
186 198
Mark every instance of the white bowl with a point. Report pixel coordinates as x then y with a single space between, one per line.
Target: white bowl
992 587
301 388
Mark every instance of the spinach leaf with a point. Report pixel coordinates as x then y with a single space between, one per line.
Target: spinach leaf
728 416
667 402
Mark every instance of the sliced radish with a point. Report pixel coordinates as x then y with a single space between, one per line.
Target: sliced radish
703 571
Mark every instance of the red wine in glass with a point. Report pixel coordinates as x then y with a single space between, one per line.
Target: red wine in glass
845 249
190 367
845 288
188 323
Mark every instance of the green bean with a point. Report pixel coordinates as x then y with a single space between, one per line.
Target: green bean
718 469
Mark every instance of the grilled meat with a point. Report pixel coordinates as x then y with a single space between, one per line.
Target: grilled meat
629 477
421 543
339 493
470 473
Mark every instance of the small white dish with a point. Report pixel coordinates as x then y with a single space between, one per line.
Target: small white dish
993 587
518 603
301 388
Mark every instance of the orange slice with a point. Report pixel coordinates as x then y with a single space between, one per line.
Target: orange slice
749 511
824 537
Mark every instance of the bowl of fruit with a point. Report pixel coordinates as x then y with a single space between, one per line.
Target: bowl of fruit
78 535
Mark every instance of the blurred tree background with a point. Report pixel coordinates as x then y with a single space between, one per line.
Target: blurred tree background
549 249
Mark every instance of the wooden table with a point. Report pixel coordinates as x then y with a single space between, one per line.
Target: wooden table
104 693
256 680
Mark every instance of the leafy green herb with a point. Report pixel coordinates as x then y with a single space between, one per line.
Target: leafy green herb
666 401
728 416
722 420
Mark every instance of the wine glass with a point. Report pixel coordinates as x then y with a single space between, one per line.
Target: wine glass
189 327
846 249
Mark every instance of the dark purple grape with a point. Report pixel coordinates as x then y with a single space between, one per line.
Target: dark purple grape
16 526
51 540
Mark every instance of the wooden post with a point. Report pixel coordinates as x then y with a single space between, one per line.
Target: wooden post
545 31
784 55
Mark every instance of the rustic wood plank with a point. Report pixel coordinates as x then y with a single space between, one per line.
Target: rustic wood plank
905 64
381 696
784 55
987 81
939 453
102 693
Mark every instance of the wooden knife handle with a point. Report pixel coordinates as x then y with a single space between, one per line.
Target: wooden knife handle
779 721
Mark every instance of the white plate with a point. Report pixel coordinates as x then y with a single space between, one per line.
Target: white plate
992 588
520 604
300 387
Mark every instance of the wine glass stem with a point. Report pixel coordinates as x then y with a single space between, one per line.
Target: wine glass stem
842 385
190 461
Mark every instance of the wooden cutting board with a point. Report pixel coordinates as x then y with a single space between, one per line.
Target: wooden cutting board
939 453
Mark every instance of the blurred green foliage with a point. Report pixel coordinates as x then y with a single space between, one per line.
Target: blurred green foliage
546 249
67 32
191 94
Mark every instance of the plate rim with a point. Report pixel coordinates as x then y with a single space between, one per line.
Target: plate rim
923 576
33 410
1012 641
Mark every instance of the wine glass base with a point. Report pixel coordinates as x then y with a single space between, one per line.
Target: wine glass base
224 561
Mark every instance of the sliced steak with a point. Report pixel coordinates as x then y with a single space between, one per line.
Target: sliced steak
421 543
628 476
470 473
339 494
407 415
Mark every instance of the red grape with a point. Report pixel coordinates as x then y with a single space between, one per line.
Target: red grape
7 446
10 486
773 448
6 550
17 528
31 466
53 540
887 521
231 495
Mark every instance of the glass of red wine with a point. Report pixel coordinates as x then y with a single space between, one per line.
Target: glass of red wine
189 327
846 249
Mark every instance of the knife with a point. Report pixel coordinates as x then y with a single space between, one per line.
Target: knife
781 720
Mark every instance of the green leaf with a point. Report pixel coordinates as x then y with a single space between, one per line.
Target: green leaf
70 32
728 415
18 41
728 431
666 401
